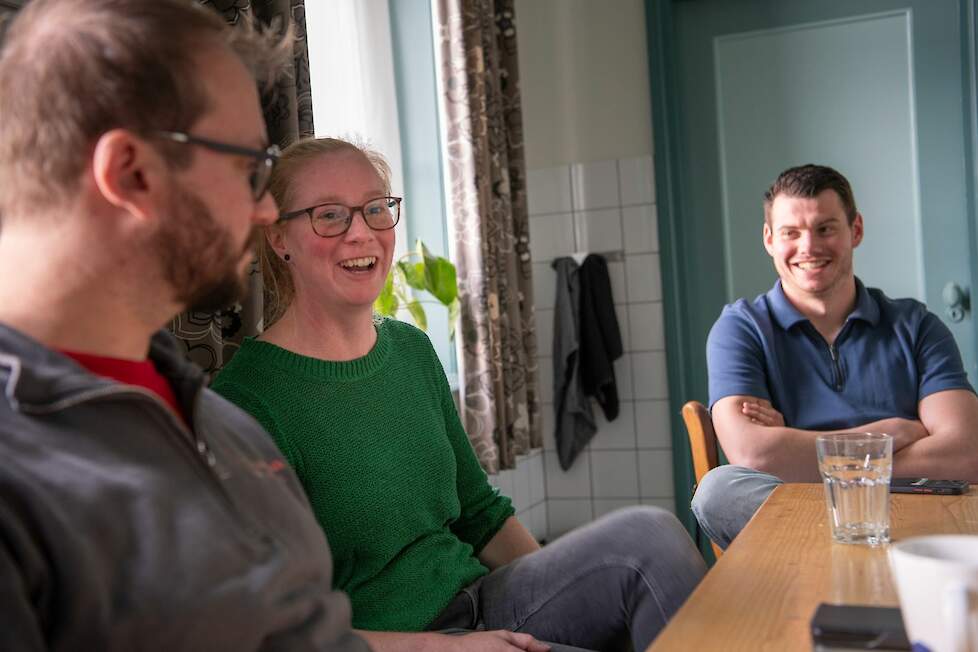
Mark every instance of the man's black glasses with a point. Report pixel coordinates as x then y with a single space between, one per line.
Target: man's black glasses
265 159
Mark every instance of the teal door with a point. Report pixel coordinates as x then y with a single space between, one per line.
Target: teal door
883 90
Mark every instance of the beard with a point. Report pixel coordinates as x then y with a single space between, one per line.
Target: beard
198 256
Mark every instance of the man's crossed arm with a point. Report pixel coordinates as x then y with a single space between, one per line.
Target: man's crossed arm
942 444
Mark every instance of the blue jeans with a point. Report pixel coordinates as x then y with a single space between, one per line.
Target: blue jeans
727 498
612 582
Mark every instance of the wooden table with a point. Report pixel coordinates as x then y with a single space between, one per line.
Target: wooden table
762 592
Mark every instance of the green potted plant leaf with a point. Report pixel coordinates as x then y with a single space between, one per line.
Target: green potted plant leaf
420 270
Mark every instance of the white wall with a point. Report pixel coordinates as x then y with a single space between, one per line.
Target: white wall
584 78
588 137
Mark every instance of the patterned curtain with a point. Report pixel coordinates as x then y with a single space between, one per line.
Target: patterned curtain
484 139
212 338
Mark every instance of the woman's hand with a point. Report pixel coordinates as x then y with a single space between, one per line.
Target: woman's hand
498 640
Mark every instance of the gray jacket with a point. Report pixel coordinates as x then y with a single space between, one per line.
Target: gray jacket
573 414
122 529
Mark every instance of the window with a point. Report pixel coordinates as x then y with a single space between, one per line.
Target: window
372 70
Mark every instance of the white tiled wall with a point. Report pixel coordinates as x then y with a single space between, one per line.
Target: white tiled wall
525 485
599 207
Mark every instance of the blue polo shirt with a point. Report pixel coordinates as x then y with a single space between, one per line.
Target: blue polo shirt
889 355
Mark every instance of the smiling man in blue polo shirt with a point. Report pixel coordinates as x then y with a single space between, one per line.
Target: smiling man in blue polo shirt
819 353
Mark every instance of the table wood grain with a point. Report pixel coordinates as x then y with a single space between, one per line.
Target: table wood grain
763 591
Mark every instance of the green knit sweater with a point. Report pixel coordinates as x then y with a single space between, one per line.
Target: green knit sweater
388 469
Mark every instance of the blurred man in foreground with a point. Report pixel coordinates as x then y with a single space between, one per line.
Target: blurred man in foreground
139 510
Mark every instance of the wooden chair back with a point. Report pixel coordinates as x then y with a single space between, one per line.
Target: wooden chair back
702 444
702 438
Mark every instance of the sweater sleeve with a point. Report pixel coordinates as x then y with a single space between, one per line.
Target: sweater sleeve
483 509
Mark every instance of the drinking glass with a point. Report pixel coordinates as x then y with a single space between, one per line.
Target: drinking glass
856 470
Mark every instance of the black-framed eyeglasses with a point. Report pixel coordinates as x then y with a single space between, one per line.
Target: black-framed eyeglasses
331 220
265 159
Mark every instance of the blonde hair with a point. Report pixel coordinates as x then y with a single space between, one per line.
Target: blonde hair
279 287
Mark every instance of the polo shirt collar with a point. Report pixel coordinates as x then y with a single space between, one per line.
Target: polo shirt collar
787 315
866 307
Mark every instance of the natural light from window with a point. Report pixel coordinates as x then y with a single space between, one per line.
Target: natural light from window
351 71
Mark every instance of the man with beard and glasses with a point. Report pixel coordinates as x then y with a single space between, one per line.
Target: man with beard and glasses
821 352
199 257
139 510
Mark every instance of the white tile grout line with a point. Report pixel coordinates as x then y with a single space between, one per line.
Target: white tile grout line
588 210
621 224
552 213
638 465
577 240
543 470
570 185
618 185
590 476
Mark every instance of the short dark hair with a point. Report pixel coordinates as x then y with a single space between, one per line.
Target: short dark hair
808 181
71 70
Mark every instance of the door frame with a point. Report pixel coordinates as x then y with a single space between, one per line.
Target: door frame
678 247
672 242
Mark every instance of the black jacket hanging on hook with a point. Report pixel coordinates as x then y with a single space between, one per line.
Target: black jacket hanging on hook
600 336
587 341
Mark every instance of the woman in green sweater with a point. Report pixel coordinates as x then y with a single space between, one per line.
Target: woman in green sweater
362 410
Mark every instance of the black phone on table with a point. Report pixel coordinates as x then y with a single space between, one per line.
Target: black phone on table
856 627
928 486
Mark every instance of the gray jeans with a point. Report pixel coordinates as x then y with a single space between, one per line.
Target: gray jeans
727 498
612 582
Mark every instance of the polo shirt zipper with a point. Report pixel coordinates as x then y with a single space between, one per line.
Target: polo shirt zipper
836 367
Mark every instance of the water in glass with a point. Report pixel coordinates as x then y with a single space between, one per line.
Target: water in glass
857 495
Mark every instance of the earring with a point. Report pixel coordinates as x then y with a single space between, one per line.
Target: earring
287 257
